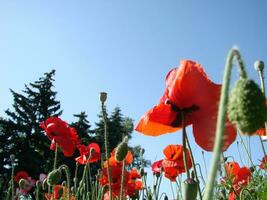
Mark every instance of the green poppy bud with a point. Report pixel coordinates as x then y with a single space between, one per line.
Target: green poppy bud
45 184
23 183
189 189
121 151
54 177
166 197
247 108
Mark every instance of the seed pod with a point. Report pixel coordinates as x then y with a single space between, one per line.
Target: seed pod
259 65
54 177
189 189
121 151
247 108
103 96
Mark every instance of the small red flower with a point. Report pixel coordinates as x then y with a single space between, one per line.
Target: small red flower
157 166
85 152
58 131
188 90
263 164
21 175
239 176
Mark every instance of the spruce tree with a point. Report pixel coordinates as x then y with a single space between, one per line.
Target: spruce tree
24 137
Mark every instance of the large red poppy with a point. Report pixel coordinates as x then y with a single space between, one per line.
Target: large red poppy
188 90
58 131
21 175
85 152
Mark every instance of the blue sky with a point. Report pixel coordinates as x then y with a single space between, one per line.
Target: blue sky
124 48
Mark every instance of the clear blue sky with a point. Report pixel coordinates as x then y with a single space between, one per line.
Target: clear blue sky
124 48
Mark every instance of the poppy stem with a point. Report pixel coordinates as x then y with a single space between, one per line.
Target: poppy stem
66 170
75 177
261 75
233 54
122 180
106 147
194 165
55 159
184 147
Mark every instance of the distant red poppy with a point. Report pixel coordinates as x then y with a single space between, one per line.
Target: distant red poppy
85 152
239 176
188 90
21 175
59 192
173 164
58 131
157 166
263 164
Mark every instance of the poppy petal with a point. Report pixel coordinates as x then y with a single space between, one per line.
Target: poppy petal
157 121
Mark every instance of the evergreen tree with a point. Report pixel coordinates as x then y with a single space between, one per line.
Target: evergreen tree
82 127
23 136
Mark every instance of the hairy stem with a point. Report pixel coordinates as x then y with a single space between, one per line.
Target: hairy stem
233 53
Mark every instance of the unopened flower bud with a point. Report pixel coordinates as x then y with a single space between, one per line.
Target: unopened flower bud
121 151
189 189
142 171
54 177
166 197
247 107
23 183
103 97
259 65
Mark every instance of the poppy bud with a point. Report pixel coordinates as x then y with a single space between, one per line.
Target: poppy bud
189 189
54 177
166 197
12 157
23 183
259 65
60 192
103 97
142 172
247 108
45 184
149 197
38 184
121 151
158 174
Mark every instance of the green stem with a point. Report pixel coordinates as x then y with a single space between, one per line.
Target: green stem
237 143
205 165
66 170
263 91
233 53
194 165
184 147
75 178
106 148
55 159
12 181
246 149
122 180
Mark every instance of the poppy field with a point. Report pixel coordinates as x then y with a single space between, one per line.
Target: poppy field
218 114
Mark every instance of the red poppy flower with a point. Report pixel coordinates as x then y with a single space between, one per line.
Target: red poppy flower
157 166
188 90
59 192
134 174
173 164
58 131
21 175
263 164
85 152
113 162
239 176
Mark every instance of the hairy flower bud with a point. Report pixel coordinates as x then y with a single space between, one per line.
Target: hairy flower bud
121 151
54 177
247 108
189 189
23 183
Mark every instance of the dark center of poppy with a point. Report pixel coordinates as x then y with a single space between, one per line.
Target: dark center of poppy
179 112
